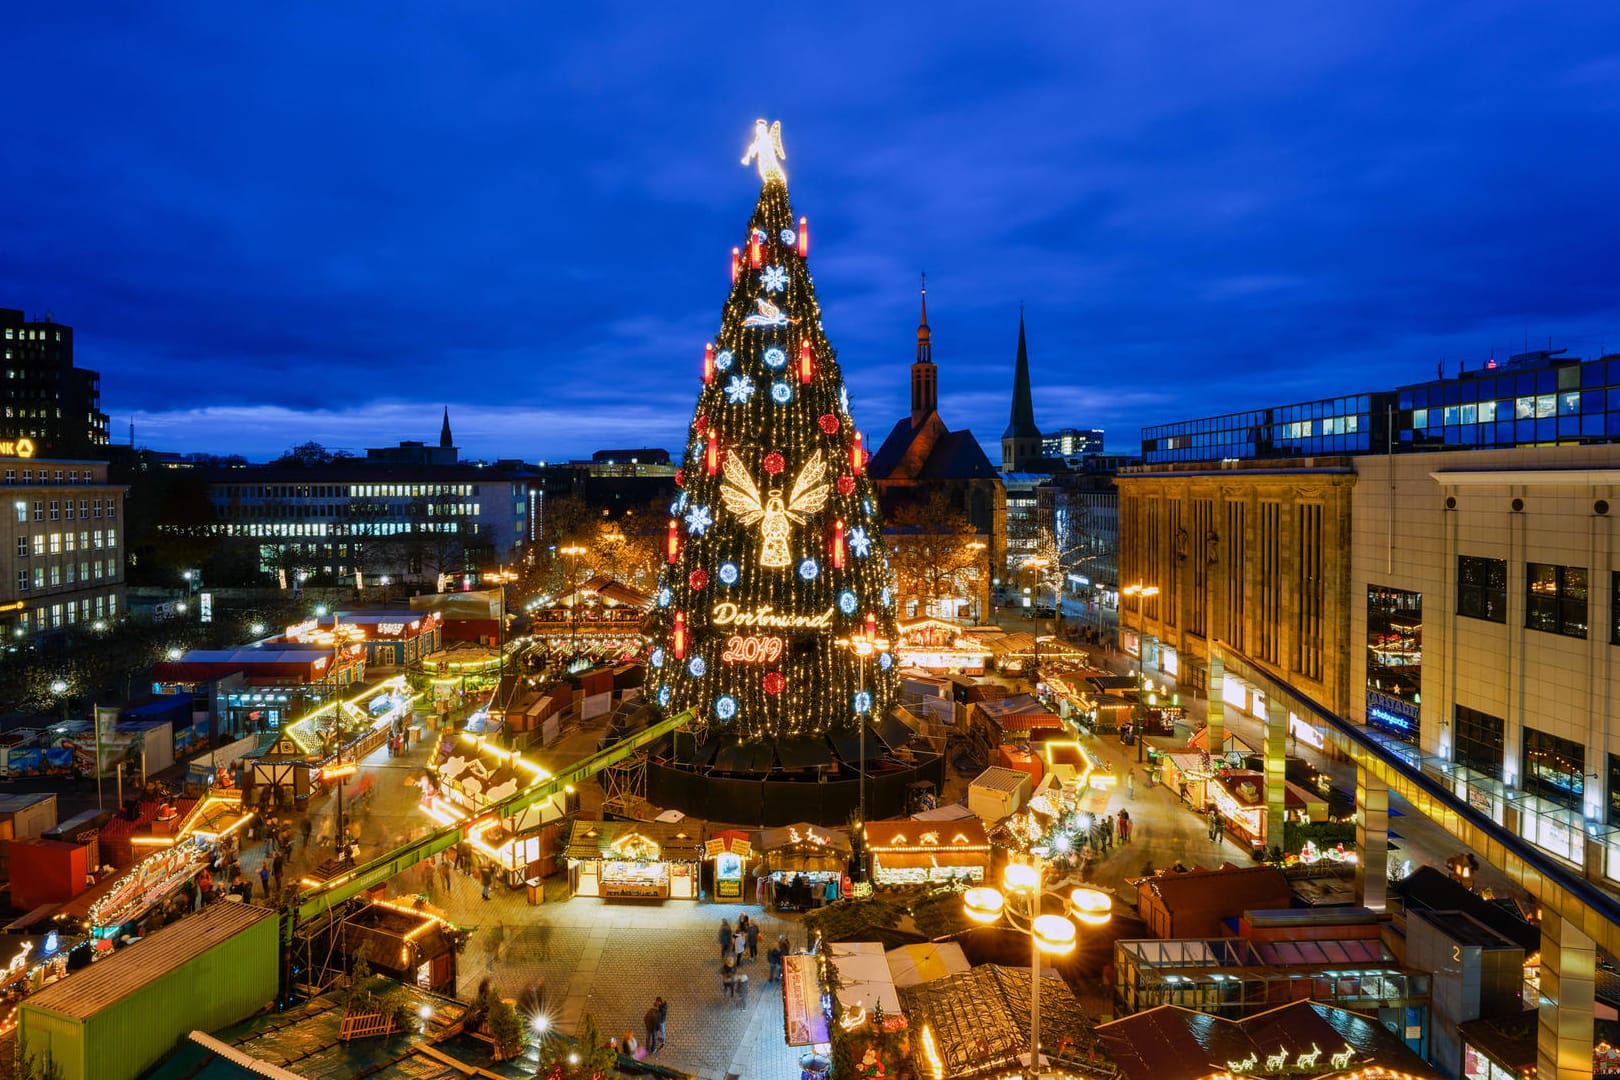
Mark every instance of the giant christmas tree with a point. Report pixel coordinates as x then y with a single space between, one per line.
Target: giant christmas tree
774 554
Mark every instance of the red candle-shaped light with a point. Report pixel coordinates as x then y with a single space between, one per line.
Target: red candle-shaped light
736 264
711 454
756 252
674 541
857 456
677 640
708 363
804 237
871 628
838 545
806 362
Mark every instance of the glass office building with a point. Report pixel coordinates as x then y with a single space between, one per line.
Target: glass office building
1538 398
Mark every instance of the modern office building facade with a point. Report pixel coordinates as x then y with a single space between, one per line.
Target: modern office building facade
1453 584
377 520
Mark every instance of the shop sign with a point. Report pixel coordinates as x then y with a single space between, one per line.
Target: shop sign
727 613
1391 713
805 1022
17 448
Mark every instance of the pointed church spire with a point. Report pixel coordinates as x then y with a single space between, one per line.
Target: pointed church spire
924 375
1021 442
444 431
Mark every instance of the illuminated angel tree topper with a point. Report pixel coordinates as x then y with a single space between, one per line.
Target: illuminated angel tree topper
774 550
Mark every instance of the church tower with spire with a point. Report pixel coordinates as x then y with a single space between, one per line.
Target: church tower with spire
924 375
445 442
1021 442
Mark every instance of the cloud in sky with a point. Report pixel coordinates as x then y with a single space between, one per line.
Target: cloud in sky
327 222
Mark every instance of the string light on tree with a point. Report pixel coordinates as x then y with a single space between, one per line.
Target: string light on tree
792 525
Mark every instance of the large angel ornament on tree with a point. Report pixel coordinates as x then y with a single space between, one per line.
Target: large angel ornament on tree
741 496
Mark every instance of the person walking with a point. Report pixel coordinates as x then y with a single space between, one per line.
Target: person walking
728 978
650 1021
264 879
762 888
486 878
1130 783
444 873
753 939
663 1020
306 827
773 957
725 938
276 864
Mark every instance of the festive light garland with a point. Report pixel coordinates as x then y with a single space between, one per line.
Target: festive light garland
790 529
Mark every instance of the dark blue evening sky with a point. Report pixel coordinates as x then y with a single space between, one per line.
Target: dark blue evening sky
324 221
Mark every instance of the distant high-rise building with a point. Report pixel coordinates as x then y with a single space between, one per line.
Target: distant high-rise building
47 400
1071 444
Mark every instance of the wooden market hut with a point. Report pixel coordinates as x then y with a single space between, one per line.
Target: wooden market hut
803 860
906 852
643 860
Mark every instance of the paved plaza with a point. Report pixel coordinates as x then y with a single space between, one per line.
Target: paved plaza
611 958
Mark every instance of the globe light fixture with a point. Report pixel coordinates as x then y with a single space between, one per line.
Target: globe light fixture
1053 934
982 905
58 687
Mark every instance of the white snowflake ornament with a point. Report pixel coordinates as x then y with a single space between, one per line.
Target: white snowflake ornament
739 389
698 520
774 279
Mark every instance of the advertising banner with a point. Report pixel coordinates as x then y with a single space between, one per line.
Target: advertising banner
803 1020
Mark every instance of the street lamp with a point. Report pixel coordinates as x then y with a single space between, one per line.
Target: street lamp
340 771
573 551
1140 712
1038 564
863 644
1021 908
60 688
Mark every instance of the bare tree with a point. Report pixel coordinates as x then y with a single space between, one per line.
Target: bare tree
936 552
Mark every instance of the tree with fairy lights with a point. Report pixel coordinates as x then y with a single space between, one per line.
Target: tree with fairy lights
774 550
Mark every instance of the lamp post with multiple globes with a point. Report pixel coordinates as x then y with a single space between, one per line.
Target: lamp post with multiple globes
1022 907
864 644
573 551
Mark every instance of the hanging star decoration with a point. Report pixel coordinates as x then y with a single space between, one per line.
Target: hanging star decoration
766 151
775 518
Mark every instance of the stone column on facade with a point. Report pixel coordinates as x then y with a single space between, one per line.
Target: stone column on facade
1215 728
1372 839
1564 1020
1276 763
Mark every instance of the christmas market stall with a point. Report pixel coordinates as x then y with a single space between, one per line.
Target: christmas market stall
937 645
1074 767
730 851
905 853
469 774
178 845
633 860
415 946
1240 796
807 864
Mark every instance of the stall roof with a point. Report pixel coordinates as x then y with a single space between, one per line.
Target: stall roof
995 778
753 756
863 976
978 1022
910 965
803 848
848 745
1171 1043
906 834
676 843
950 812
126 971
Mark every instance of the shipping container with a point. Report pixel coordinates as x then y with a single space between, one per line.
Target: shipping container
117 1018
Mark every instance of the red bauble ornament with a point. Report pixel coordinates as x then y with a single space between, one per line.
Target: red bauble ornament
846 484
829 423
700 425
680 477
774 682
774 463
697 579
